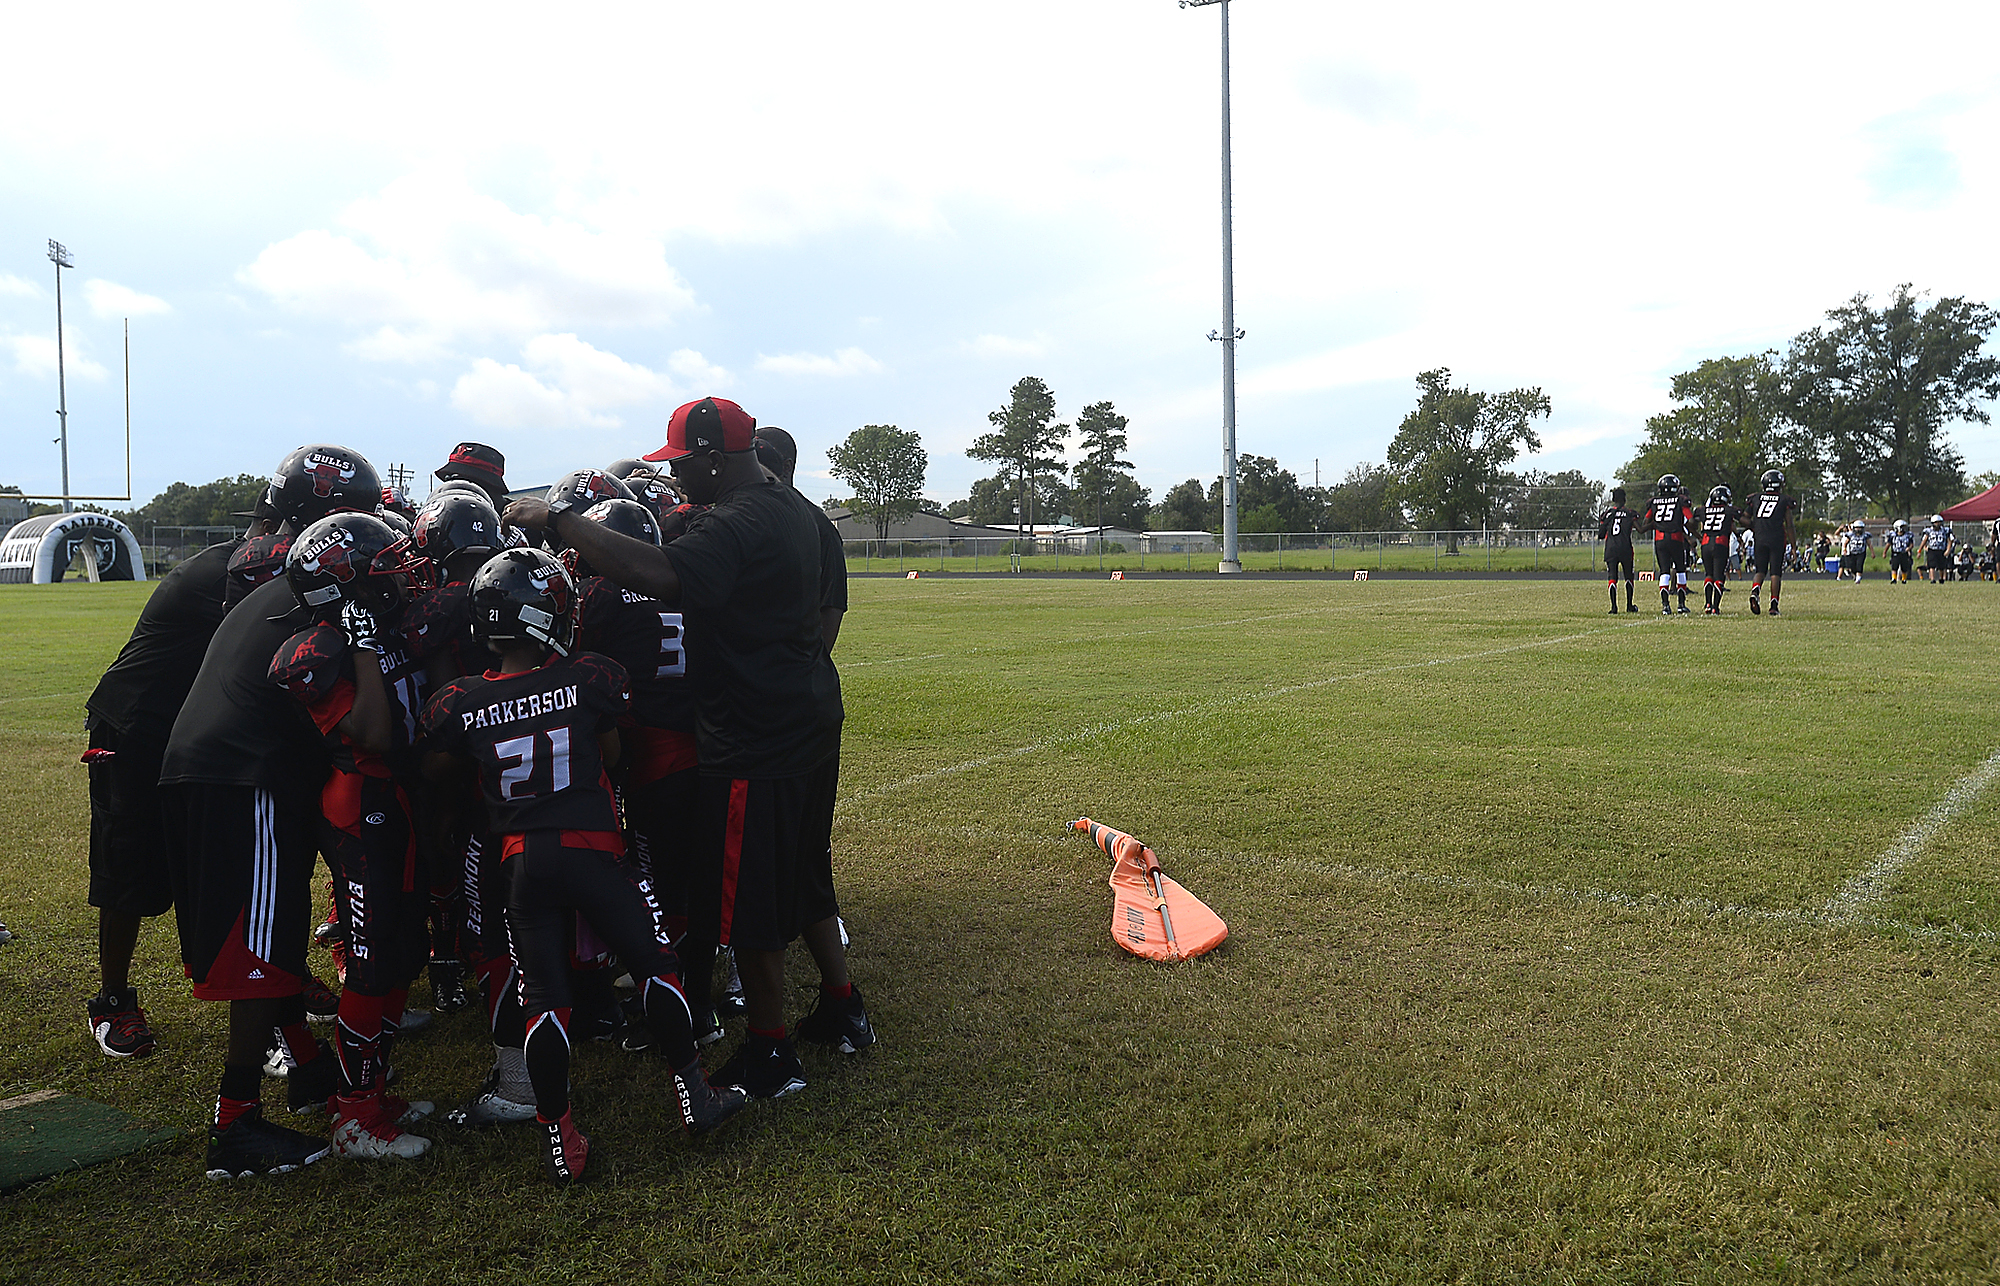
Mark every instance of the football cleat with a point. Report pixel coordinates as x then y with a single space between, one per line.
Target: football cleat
310 1085
565 1150
496 1104
448 994
321 1004
252 1145
364 1129
702 1106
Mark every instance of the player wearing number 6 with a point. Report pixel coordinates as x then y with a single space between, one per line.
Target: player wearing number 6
542 730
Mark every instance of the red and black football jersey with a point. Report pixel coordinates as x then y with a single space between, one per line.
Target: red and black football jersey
646 637
1614 526
440 621
1718 522
1768 512
533 737
1670 517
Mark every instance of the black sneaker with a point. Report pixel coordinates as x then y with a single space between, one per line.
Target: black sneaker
448 994
763 1068
843 1024
565 1149
1755 610
322 1005
119 1025
311 1084
252 1145
704 1107
1774 609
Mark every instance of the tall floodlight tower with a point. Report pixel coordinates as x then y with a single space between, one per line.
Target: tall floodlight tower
1229 334
59 256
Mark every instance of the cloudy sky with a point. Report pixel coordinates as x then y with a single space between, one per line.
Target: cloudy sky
399 226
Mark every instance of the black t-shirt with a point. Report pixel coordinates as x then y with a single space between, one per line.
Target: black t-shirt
767 698
145 686
237 727
832 562
1670 518
534 738
1614 526
1717 522
645 636
1768 511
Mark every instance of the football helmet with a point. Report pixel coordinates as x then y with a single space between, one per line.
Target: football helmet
1860 524
1902 524
624 469
315 481
397 523
1718 495
584 488
626 517
333 563
459 486
1669 485
524 593
1772 480
450 523
1936 519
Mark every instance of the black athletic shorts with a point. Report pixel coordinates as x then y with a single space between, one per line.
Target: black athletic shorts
764 865
1935 560
1852 563
241 860
1715 562
383 907
1670 556
549 885
1900 563
128 870
1767 559
1615 558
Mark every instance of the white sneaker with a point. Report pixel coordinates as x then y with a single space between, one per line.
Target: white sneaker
361 1132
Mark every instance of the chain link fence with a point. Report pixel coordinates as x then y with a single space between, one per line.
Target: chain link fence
1559 551
167 547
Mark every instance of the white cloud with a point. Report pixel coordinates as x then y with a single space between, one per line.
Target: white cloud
17 286
698 371
562 382
1004 346
35 355
429 261
848 361
109 299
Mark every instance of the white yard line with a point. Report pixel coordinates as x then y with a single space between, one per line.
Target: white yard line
1867 888
1222 703
46 696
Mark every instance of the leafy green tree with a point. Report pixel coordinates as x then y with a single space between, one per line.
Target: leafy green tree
1268 498
885 466
211 504
1365 500
1878 386
1185 508
1730 426
1451 450
1535 500
1105 491
1028 439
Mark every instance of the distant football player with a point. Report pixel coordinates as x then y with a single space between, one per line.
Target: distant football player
541 730
1938 544
1900 542
1671 521
1771 531
1614 527
1855 559
1715 521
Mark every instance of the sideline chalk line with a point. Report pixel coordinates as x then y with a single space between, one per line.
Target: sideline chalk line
1095 731
1868 886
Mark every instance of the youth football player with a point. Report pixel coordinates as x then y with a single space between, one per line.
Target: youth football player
1715 521
1771 515
1672 524
1614 527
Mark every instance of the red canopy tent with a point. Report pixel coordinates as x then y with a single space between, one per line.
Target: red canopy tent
1984 507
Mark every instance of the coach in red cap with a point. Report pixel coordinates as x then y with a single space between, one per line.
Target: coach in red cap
746 576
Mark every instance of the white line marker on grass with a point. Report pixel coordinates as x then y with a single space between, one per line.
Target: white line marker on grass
1220 703
1867 888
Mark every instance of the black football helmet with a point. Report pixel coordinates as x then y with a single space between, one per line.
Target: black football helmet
315 481
449 524
1669 485
524 593
626 517
333 563
397 523
1772 480
624 469
656 491
1719 495
584 488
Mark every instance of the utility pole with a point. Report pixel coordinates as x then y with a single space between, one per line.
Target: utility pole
1229 333
59 256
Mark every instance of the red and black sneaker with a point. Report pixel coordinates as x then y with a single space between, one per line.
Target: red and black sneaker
322 1006
565 1149
118 1025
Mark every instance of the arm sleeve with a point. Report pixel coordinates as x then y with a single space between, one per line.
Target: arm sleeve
441 721
607 691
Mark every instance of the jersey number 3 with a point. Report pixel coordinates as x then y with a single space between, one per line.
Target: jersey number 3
549 748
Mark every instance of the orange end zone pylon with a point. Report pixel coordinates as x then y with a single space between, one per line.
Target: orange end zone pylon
1152 916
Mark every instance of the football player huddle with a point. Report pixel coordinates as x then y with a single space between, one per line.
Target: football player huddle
1679 527
544 746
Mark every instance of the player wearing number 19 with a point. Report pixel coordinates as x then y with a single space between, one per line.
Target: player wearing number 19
542 731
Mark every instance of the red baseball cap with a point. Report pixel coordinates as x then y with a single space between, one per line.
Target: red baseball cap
712 424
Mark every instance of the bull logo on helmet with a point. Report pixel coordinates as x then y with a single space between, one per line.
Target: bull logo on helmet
333 556
326 470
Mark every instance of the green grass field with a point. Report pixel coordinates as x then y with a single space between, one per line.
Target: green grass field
1565 948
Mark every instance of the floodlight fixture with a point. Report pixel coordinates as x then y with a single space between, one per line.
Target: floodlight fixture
59 255
1229 333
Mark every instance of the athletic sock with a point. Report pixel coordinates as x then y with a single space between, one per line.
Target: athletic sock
775 1035
504 1016
546 1052
669 1017
357 1032
392 1019
513 1081
238 1094
845 991
1614 595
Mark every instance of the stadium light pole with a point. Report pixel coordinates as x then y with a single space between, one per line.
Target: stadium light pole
59 256
1229 333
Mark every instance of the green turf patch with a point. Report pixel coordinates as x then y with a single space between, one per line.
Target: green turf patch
47 1133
